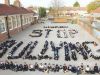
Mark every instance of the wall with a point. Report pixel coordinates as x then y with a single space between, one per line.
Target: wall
86 25
3 36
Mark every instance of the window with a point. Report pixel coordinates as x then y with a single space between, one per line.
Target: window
30 19
25 20
22 20
14 21
33 19
10 26
2 25
18 21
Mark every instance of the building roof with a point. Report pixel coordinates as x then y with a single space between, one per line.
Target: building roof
17 3
96 10
10 10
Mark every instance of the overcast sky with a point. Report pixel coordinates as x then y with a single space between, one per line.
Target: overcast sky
46 3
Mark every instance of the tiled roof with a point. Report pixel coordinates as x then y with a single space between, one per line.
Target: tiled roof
10 10
96 10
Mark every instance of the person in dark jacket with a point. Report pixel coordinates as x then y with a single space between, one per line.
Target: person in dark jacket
65 68
96 70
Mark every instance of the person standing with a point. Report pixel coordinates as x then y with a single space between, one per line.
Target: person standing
78 70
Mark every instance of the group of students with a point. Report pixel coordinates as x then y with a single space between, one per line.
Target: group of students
4 46
89 51
27 50
81 49
71 33
25 53
55 27
96 57
60 33
42 54
12 52
56 49
47 67
70 50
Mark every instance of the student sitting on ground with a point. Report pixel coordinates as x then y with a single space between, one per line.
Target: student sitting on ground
87 69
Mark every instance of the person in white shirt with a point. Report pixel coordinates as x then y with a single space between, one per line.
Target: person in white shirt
41 67
31 67
87 69
45 67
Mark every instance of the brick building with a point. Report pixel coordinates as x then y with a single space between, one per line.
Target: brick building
13 19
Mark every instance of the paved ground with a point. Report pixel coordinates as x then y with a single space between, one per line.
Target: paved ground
80 37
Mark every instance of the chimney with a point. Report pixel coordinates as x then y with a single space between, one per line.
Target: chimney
17 3
7 2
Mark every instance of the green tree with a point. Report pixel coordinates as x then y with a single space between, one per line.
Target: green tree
93 5
42 12
76 4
